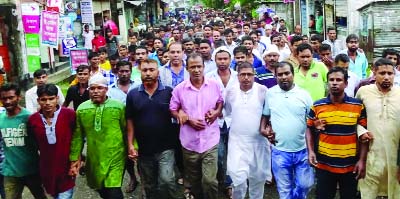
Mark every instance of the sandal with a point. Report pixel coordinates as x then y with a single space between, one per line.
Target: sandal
187 194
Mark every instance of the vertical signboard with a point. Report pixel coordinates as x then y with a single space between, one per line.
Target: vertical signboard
50 28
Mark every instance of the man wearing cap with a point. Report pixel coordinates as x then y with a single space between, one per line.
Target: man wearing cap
265 75
101 122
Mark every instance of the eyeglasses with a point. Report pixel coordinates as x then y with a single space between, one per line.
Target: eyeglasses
243 75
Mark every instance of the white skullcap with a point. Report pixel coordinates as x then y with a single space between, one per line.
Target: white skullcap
268 27
98 79
224 48
272 49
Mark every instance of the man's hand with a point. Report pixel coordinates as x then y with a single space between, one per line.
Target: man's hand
359 169
312 158
211 116
366 137
270 134
182 117
74 168
197 124
320 124
132 153
328 62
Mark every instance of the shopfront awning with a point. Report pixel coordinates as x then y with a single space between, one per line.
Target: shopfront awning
136 2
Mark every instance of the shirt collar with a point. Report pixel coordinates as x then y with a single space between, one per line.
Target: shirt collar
190 85
159 88
115 84
345 98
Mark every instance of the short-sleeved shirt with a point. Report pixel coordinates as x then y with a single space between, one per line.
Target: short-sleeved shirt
336 146
152 119
114 92
196 103
112 45
20 149
314 81
74 96
265 77
288 107
359 66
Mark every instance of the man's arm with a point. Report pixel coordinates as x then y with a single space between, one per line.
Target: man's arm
361 163
312 158
132 153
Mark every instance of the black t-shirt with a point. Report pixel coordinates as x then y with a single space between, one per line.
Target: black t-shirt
154 131
75 97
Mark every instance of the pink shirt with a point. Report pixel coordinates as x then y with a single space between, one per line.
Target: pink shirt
196 103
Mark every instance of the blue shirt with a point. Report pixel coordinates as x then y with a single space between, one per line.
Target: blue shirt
359 66
111 78
114 92
288 107
256 63
177 78
265 77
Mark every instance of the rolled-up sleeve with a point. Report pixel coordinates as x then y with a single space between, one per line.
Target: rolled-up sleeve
175 102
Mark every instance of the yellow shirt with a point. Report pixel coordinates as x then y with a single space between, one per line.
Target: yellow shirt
383 113
106 65
314 82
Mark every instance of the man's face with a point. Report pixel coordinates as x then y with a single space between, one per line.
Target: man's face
305 58
221 29
271 58
113 63
98 93
190 32
103 56
235 33
207 32
175 54
295 45
254 37
124 73
332 35
229 38
140 54
392 58
268 32
240 57
254 26
158 44
41 80
325 53
149 72
284 77
246 77
315 45
10 100
222 60
189 47
336 83
216 35
48 103
133 39
249 45
123 52
352 45
195 67
297 30
344 65
205 50
83 76
162 33
246 30
384 76
95 61
165 58
305 39
86 28
276 41
176 34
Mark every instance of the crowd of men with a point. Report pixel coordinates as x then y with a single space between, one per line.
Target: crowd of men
225 103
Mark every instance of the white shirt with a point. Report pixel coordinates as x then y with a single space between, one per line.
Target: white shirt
284 53
233 80
88 37
209 65
336 46
31 99
352 83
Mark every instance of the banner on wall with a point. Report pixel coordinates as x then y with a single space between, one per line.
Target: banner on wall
30 17
78 56
50 28
33 63
87 12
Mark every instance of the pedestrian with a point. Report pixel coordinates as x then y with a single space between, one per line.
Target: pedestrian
343 61
196 103
112 42
334 148
173 73
288 104
249 156
265 74
380 100
149 123
227 78
78 93
358 60
206 51
40 77
101 121
310 75
88 36
98 41
336 44
20 167
53 126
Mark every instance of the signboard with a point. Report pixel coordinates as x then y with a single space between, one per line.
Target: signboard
50 28
67 44
78 57
87 12
304 16
33 63
30 17
32 40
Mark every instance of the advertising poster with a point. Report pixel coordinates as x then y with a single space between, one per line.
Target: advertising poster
50 28
77 57
30 17
33 63
87 12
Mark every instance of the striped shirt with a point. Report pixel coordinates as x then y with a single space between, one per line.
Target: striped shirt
336 146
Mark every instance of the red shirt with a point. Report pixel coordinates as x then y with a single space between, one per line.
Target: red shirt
98 42
54 158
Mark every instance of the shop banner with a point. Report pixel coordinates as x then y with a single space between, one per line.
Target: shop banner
54 3
78 57
32 40
33 63
30 17
87 12
50 28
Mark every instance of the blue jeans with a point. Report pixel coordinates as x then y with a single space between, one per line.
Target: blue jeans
158 175
222 156
65 195
293 174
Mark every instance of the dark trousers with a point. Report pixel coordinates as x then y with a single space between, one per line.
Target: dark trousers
111 193
327 185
